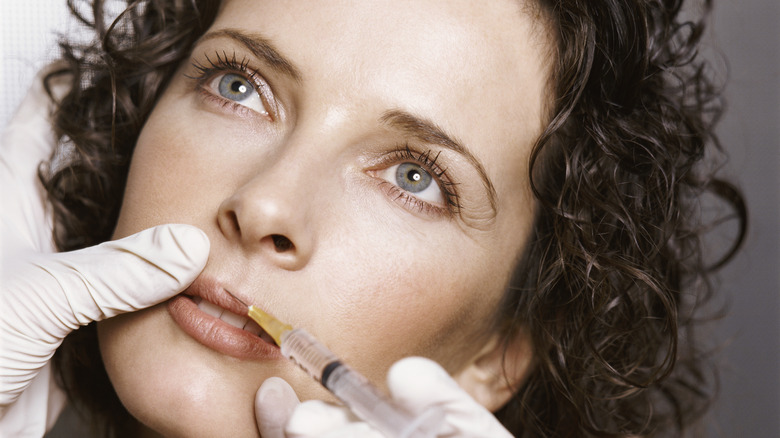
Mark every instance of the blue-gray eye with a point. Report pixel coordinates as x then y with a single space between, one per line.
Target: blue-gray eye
235 87
412 177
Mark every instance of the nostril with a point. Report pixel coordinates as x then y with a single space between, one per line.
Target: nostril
282 243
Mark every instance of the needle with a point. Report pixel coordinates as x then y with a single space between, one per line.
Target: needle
271 325
237 298
363 398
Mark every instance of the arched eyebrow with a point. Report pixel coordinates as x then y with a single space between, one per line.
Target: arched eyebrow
260 47
428 132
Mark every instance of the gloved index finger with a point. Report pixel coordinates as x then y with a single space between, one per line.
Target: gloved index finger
141 270
102 281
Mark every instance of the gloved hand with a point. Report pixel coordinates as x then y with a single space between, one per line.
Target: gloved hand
46 296
415 383
26 225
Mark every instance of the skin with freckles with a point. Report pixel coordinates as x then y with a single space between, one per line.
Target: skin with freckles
361 172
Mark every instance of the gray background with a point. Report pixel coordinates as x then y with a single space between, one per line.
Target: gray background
747 34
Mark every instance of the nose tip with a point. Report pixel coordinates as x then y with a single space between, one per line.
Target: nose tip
269 225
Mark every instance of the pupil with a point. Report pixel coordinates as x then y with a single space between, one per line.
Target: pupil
238 87
414 175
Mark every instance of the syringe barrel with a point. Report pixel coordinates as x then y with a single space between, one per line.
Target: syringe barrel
371 405
352 388
311 355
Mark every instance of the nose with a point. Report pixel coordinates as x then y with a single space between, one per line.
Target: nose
269 215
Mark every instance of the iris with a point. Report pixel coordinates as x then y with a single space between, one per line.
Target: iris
412 177
235 87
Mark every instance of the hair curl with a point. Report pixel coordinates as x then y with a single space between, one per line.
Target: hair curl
618 267
116 81
609 283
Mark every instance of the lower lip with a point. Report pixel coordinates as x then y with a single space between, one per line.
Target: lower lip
217 334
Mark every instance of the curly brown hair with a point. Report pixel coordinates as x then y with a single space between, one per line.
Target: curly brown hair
612 280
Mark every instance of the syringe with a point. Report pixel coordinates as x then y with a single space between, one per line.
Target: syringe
352 388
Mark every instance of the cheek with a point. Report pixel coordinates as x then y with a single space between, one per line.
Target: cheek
172 174
442 319
154 179
409 296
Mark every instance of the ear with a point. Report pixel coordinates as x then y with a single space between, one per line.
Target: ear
493 376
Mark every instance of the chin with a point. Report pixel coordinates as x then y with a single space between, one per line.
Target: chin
194 412
201 428
173 385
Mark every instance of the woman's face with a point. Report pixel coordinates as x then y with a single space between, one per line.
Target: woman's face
361 172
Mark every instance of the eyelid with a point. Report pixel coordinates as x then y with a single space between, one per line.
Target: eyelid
429 161
225 64
212 88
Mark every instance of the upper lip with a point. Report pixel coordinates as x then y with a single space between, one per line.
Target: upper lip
218 332
212 291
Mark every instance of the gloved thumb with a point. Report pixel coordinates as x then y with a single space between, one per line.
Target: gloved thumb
421 384
275 402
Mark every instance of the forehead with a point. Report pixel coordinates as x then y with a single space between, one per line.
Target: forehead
478 69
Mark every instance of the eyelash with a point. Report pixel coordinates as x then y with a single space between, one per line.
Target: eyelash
429 161
227 64
230 64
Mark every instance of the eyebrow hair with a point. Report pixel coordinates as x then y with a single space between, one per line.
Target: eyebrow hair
428 132
261 48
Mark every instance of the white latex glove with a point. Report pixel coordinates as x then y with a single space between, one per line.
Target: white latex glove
26 225
27 141
415 383
46 296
